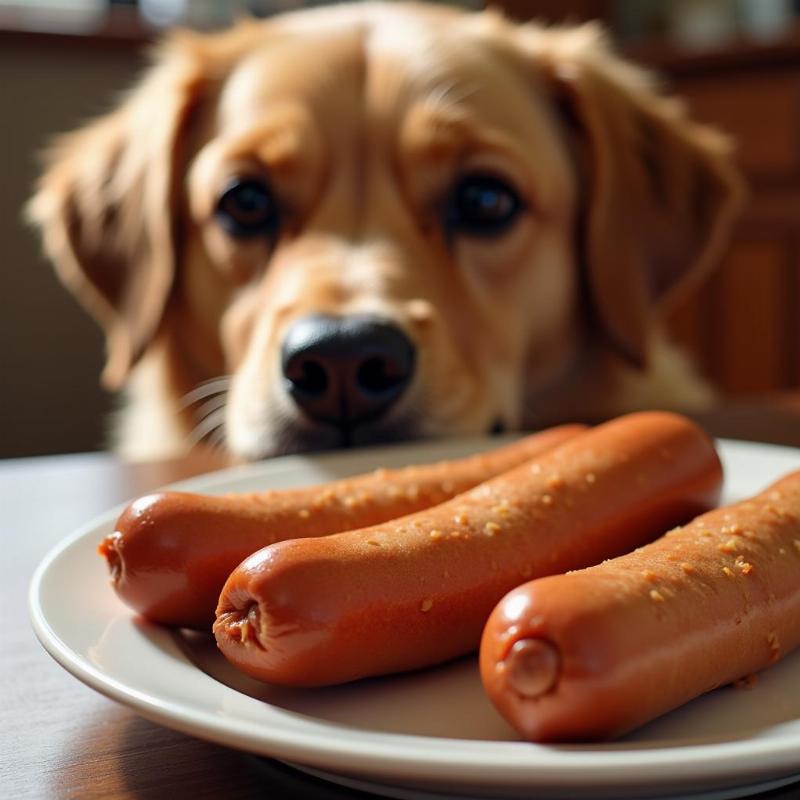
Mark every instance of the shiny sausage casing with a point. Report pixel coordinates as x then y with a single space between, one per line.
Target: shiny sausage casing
170 553
595 653
417 591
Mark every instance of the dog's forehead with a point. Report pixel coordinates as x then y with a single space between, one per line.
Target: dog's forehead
386 61
420 87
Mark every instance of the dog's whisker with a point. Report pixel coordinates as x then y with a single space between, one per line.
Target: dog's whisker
454 94
217 439
184 405
207 426
209 406
206 389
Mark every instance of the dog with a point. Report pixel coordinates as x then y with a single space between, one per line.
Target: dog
378 222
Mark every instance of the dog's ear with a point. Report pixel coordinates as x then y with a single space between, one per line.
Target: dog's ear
106 205
660 192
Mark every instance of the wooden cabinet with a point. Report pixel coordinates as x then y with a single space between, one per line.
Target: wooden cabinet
761 111
743 325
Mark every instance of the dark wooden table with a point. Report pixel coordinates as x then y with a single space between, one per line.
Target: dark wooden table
60 739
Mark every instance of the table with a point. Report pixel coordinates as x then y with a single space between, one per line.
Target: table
60 739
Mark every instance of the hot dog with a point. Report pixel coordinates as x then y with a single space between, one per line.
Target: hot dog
170 553
595 653
417 591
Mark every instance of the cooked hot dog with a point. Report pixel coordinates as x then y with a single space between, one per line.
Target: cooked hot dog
595 653
170 553
417 591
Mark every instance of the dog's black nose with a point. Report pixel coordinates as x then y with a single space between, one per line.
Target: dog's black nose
346 370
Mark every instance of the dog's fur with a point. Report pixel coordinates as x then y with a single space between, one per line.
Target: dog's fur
363 116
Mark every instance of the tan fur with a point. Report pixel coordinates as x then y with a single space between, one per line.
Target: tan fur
362 117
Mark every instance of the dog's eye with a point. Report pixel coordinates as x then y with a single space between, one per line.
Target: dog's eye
247 207
482 205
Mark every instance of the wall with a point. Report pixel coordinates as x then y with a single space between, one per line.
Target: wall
50 351
743 327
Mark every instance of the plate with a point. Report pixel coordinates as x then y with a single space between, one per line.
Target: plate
424 734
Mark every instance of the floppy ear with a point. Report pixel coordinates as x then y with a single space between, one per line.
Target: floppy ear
661 192
106 206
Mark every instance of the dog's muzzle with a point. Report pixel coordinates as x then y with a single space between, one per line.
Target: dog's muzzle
346 371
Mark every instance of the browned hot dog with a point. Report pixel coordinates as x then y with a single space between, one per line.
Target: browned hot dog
595 653
417 590
171 553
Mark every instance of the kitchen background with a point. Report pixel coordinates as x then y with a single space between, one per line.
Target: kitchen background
737 62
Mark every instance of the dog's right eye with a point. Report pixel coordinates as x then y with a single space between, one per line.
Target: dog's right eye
482 205
247 208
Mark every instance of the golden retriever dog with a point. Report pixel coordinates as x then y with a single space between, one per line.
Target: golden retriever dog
377 222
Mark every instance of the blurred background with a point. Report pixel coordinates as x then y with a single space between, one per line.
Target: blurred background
737 62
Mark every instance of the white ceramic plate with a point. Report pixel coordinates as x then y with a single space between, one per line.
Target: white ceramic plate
418 734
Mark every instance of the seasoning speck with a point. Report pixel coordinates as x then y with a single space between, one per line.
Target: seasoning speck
774 646
747 682
426 605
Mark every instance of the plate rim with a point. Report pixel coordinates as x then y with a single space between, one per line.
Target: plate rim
510 764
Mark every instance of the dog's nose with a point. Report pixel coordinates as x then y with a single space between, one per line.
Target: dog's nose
346 370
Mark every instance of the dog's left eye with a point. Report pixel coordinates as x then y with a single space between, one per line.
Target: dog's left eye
247 208
482 205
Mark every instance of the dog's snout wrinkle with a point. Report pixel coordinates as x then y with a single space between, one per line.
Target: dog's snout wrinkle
345 371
